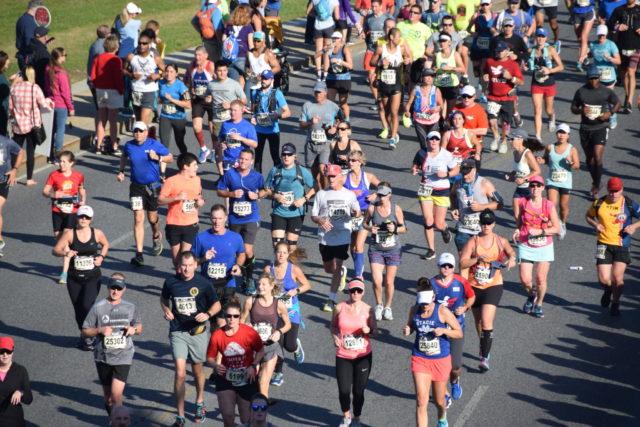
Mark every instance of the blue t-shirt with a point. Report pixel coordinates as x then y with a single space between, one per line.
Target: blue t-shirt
143 169
288 183
188 299
177 90
608 6
245 129
8 149
433 20
263 107
453 295
521 21
606 68
585 9
242 210
128 35
228 246
273 4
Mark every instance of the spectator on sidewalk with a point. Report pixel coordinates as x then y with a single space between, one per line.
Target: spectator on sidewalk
213 42
127 27
97 47
25 28
5 87
58 88
39 56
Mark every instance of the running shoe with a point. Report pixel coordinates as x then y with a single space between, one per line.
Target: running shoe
528 305
443 423
537 311
613 122
250 287
484 364
406 121
346 422
606 297
517 121
393 143
374 107
447 400
615 309
277 379
563 231
579 67
343 279
378 311
384 134
464 80
180 422
157 245
456 390
299 353
626 109
430 254
62 280
329 306
483 98
552 124
204 153
494 144
86 344
137 260
557 45
201 413
503 148
117 152
446 235
387 313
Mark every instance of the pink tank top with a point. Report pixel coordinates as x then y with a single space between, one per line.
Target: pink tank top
531 217
354 342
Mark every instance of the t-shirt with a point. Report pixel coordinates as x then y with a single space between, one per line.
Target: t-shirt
630 16
327 23
416 36
242 210
336 206
143 169
70 185
225 91
115 349
598 101
262 124
522 21
429 166
238 349
607 7
182 212
433 20
128 35
374 29
234 147
475 118
228 246
8 149
615 217
499 87
285 181
188 298
462 12
453 294
328 112
178 90
516 45
456 40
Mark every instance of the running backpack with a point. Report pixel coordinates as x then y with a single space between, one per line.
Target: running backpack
323 12
628 203
277 180
272 106
205 24
230 47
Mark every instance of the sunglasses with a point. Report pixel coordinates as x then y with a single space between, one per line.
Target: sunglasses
446 266
343 128
5 351
353 160
467 96
116 288
434 139
261 408
232 316
356 291
534 185
138 131
413 12
84 217
143 43
447 25
508 25
286 154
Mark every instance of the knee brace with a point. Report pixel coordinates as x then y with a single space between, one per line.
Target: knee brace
276 240
429 227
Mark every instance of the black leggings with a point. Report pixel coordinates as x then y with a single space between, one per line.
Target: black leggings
274 149
289 342
352 375
20 139
179 130
422 131
83 294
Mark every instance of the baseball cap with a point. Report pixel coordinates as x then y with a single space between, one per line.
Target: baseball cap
333 170
485 1
487 217
468 90
541 32
501 45
40 31
336 35
383 190
356 284
434 134
425 297
139 125
513 1
6 343
320 87
288 148
116 281
133 8
563 127
258 35
267 74
467 165
447 258
428 72
602 30
614 184
518 133
508 21
536 178
85 210
593 72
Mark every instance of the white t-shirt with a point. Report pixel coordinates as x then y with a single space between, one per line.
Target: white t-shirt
336 206
321 25
440 163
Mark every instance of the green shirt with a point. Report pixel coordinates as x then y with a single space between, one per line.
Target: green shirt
464 8
416 35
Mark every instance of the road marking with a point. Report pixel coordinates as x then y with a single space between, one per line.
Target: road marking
471 406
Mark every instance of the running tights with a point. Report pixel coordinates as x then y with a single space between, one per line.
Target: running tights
178 126
352 375
21 139
83 294
486 339
274 149
289 342
421 132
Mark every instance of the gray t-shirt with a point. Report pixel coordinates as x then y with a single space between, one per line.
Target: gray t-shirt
8 148
374 29
456 40
327 113
226 91
336 206
115 349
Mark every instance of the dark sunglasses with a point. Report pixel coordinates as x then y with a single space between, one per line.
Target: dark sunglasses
5 351
356 291
143 43
343 128
286 154
534 184
467 96
353 160
138 131
447 25
84 217
507 25
446 266
261 408
115 287
433 138
232 316
413 12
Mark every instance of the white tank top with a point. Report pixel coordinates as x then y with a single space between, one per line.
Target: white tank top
395 58
259 64
145 66
522 168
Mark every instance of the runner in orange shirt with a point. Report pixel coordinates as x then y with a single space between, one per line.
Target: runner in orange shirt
475 116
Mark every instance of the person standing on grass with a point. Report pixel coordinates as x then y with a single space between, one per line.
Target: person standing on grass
58 88
25 27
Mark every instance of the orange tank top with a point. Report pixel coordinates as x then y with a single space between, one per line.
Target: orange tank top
480 274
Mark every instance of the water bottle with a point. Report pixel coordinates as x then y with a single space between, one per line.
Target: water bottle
576 268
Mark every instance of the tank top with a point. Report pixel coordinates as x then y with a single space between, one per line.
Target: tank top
292 303
200 80
361 190
469 221
258 64
559 171
530 218
481 275
483 36
536 63
264 319
355 343
522 168
82 265
423 105
460 146
427 345
390 75
384 241
336 152
446 78
144 66
338 72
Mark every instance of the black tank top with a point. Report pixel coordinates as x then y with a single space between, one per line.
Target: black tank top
336 152
84 249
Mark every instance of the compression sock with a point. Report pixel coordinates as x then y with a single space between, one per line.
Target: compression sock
200 138
597 174
487 340
279 365
358 263
248 267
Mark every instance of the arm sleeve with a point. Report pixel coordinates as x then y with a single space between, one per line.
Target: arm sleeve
223 184
592 209
613 98
309 180
239 245
212 350
167 188
468 290
315 210
197 247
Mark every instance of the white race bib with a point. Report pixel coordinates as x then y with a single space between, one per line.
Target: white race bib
471 221
425 190
83 263
115 341
584 3
482 274
242 208
287 300
356 223
185 305
136 203
264 119
188 206
217 270
423 116
200 90
136 98
375 35
65 207
386 240
493 108
593 111
537 241
353 342
606 74
337 211
601 251
559 175
429 347
628 52
388 77
482 42
318 136
222 114
444 79
232 143
236 376
169 108
288 198
264 330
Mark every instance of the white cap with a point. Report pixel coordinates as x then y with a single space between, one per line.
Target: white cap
133 8
602 30
563 127
485 1
336 35
85 210
432 134
425 297
468 90
139 125
447 258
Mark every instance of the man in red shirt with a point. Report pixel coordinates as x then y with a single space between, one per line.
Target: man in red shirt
475 117
502 74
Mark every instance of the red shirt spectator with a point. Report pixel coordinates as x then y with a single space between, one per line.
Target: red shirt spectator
107 72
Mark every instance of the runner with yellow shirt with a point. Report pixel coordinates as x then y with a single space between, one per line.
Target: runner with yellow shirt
462 12
415 34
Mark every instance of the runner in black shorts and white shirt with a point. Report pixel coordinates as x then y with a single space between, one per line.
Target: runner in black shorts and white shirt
113 321
11 156
333 209
200 72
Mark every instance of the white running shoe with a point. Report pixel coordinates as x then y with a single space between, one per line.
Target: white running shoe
494 144
378 311
387 314
552 124
563 231
503 148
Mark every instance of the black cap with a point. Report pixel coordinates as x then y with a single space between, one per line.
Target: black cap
116 281
467 165
487 217
288 148
40 31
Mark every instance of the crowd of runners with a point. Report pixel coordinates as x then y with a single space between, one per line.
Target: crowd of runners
450 71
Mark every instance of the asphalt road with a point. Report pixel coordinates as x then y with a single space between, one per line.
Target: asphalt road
577 366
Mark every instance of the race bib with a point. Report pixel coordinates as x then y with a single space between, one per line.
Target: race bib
386 240
318 136
287 300
606 74
185 305
232 143
188 206
593 111
388 77
536 241
458 159
169 108
136 203
200 90
539 76
222 114
444 79
471 221
217 270
288 198
136 98
544 2
628 52
356 223
115 342
585 3
493 108
83 263
559 175
264 119
264 330
482 274
65 207
425 190
423 116
375 35
236 376
429 347
337 211
601 251
242 208
483 43
353 342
